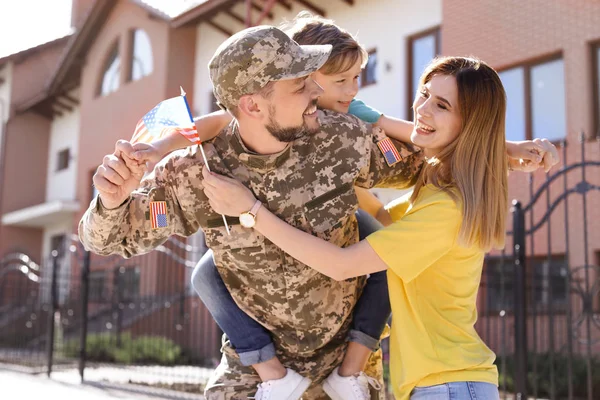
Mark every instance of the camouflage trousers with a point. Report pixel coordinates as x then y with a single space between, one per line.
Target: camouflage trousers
234 381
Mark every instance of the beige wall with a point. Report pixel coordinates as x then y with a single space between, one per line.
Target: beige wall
105 119
26 155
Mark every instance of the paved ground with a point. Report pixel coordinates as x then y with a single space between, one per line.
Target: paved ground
65 385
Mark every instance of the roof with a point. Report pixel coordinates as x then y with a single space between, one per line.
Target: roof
68 69
170 9
31 50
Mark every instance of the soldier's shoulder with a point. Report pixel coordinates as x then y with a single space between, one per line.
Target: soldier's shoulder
181 160
340 123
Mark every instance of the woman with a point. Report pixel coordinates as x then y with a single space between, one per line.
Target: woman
434 248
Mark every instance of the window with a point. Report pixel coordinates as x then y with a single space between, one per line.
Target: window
141 61
112 72
549 282
422 48
62 162
535 100
368 75
94 191
548 107
128 282
546 283
57 242
498 277
97 286
514 82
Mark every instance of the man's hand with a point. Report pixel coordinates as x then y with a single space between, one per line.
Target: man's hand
118 176
530 155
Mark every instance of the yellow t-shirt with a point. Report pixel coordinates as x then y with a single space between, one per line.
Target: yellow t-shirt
433 285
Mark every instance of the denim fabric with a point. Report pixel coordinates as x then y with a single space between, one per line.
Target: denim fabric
456 391
373 309
250 339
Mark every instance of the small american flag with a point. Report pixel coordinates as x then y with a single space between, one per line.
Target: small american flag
158 214
168 116
389 151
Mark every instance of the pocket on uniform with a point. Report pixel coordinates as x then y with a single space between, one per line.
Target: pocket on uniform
327 213
240 238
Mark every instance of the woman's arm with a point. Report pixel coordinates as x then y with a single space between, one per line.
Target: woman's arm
337 263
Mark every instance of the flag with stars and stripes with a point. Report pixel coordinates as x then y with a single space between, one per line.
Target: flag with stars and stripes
389 151
168 116
158 214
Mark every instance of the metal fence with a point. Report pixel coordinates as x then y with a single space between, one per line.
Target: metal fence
138 321
539 303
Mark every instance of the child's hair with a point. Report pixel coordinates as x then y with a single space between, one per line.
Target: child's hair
475 164
308 29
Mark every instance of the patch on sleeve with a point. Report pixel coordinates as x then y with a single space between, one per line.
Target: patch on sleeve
389 151
158 214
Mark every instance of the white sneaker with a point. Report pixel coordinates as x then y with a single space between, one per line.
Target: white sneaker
354 387
290 387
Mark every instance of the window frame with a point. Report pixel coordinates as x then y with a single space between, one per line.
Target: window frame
114 48
595 103
436 33
93 190
527 66
363 74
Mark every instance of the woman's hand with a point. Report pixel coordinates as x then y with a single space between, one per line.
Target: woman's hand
225 195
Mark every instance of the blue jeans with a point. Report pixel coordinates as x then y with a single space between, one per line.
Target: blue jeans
456 391
253 342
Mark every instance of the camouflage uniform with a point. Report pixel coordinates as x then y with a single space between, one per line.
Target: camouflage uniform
310 185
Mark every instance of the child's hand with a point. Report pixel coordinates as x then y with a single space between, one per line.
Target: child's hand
147 153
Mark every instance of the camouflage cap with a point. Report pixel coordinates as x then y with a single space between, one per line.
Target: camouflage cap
251 58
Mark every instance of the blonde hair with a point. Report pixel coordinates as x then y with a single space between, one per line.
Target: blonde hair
308 29
475 164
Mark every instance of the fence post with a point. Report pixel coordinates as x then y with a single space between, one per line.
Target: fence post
520 308
85 286
52 313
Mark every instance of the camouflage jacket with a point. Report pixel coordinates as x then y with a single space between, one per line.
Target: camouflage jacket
310 185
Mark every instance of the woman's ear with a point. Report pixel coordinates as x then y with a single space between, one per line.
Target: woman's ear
248 106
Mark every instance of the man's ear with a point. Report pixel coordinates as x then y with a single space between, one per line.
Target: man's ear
248 106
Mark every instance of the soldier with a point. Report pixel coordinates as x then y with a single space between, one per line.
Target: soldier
301 163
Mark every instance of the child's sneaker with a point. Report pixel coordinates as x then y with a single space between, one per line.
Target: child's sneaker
354 387
290 387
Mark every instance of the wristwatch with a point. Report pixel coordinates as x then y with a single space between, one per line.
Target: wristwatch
248 218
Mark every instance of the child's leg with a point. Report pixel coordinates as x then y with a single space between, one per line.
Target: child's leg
250 339
371 312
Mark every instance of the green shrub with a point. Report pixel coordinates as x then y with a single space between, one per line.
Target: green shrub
103 347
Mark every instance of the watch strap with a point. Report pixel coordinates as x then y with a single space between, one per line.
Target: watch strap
255 208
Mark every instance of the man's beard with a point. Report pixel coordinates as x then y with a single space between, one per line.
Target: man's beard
289 134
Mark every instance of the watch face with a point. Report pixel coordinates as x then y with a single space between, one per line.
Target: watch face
247 220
